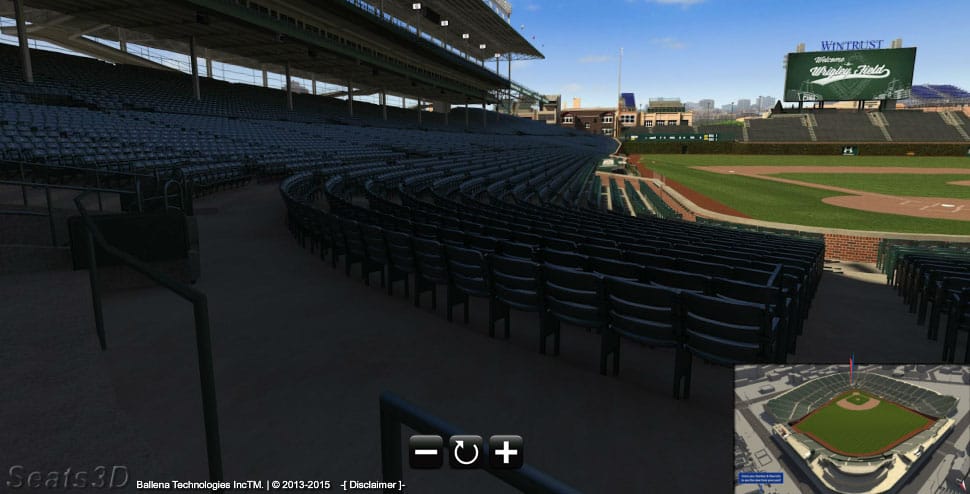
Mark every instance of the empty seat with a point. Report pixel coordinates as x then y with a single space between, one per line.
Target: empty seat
565 259
646 314
401 260
469 278
616 269
727 332
432 266
517 284
571 296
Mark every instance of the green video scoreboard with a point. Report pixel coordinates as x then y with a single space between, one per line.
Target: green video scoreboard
850 75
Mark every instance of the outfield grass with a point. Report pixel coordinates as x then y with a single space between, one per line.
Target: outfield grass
785 203
900 184
861 432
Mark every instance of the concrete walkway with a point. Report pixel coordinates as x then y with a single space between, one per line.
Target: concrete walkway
60 408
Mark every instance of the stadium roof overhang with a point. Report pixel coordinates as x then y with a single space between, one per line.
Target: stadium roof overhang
476 18
335 41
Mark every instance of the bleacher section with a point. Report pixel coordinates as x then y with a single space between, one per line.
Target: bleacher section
918 126
846 126
852 126
937 95
778 129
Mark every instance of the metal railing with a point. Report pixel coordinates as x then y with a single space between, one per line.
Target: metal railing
200 307
395 412
49 206
180 195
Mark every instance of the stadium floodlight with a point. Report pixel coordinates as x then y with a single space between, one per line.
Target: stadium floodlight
444 23
416 6
465 36
481 46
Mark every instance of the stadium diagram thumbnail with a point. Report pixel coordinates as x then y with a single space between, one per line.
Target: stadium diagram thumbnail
872 429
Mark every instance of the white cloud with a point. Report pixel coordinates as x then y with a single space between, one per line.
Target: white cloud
532 7
594 59
668 43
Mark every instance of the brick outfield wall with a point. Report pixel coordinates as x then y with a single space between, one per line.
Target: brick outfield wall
851 248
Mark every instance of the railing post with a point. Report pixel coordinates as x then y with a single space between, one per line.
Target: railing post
23 180
210 409
391 468
141 209
50 215
95 286
97 182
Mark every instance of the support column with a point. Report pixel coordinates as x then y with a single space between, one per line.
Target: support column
466 114
419 112
289 88
313 83
265 77
18 7
384 104
484 115
194 60
122 40
510 83
350 99
208 63
446 115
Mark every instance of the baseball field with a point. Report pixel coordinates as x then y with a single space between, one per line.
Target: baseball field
859 424
905 194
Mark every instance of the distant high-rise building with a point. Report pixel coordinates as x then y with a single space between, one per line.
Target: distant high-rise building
705 105
765 102
744 105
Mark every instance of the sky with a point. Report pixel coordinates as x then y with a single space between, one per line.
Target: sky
724 50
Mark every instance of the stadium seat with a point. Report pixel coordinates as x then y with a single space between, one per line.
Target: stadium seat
432 269
570 296
401 260
469 273
517 284
645 314
725 332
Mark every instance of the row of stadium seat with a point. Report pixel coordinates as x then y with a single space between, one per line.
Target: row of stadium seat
930 277
618 298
